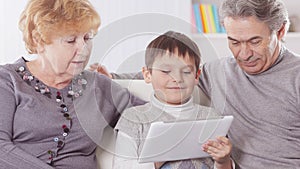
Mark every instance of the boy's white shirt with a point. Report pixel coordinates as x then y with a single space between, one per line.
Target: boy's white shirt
126 148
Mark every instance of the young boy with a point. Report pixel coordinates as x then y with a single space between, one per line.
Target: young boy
172 67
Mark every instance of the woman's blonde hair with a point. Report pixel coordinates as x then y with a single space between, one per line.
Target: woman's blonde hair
43 19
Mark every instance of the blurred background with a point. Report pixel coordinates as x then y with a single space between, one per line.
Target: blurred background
129 25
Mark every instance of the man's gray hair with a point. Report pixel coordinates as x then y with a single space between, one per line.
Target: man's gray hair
273 12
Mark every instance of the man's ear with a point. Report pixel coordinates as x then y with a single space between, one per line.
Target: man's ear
197 76
281 32
147 74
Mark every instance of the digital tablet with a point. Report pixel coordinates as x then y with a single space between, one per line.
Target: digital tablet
169 141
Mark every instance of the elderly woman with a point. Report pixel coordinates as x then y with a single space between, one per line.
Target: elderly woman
41 99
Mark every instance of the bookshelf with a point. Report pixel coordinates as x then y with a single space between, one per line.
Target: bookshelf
219 40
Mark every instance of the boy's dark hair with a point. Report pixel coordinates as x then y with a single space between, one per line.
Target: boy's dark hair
169 42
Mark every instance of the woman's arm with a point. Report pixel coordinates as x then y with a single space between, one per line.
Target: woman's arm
12 157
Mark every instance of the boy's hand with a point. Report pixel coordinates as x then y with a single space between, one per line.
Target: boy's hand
219 150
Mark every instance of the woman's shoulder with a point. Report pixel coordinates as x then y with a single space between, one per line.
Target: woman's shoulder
9 66
10 71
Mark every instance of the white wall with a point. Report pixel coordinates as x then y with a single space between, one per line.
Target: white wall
11 44
112 13
127 27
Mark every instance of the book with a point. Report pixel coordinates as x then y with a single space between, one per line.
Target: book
216 18
211 20
204 17
196 16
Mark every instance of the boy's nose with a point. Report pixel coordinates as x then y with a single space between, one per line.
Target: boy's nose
177 77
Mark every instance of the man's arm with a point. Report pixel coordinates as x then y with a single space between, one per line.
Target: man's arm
102 69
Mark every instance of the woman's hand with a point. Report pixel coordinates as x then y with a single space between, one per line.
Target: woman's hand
219 150
100 69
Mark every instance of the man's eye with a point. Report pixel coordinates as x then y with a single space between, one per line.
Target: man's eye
255 42
235 43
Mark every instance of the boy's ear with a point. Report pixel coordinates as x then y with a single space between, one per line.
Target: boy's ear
197 76
147 75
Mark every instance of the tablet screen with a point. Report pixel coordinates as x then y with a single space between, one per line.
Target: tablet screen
168 141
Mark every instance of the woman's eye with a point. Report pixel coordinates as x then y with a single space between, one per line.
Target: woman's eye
71 41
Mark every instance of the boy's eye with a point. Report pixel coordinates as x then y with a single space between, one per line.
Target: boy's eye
165 71
187 72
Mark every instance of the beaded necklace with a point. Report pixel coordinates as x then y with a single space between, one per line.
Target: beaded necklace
75 90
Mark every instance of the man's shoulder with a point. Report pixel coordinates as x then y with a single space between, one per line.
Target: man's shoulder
220 61
220 64
218 68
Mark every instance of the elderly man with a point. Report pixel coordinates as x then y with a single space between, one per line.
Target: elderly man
260 86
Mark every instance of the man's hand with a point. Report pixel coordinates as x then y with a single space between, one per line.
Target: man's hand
219 150
100 69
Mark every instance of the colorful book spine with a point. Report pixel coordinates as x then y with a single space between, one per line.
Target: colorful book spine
216 18
211 20
193 21
223 29
204 18
197 18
